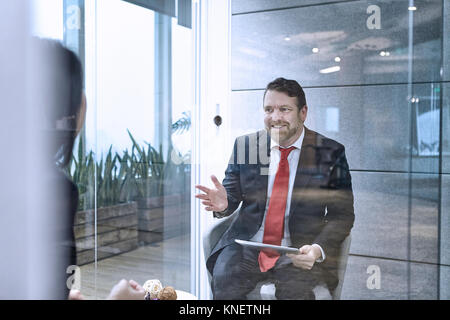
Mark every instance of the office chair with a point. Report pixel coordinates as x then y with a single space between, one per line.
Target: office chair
265 290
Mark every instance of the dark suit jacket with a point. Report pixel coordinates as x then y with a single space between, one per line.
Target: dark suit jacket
322 200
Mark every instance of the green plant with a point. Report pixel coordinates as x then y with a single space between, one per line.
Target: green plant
148 168
141 173
81 169
183 124
108 183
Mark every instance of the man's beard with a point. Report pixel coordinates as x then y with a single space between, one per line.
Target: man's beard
283 135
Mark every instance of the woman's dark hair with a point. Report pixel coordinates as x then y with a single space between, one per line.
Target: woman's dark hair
60 95
290 87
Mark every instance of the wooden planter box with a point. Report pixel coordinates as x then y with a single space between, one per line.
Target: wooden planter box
116 232
162 217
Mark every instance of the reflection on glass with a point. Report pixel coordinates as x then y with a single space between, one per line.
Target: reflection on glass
373 79
370 38
132 162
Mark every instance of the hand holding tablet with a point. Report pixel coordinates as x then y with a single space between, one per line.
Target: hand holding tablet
264 246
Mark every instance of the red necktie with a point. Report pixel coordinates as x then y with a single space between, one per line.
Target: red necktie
274 225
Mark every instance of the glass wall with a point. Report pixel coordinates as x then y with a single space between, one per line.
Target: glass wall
131 163
375 76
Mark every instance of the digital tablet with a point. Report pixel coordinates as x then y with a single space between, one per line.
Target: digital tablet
262 246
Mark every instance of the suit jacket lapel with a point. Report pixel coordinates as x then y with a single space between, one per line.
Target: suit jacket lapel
307 166
262 167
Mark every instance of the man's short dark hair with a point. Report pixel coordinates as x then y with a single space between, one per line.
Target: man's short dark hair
291 87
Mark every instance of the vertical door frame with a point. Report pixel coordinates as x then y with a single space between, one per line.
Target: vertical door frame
211 146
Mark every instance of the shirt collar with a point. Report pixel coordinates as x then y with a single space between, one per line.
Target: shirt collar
297 143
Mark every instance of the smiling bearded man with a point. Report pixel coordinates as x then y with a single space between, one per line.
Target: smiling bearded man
306 201
284 116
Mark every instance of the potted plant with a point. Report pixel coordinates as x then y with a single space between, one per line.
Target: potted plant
116 217
161 197
138 195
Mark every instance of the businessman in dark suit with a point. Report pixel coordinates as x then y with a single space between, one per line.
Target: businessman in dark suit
294 188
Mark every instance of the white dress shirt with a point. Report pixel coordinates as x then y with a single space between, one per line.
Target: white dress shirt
293 159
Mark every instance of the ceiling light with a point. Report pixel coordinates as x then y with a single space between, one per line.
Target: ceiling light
382 53
412 8
330 69
287 38
337 59
315 50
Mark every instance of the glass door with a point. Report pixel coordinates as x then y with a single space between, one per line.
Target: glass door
139 130
131 163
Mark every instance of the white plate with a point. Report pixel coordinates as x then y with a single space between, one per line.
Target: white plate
183 295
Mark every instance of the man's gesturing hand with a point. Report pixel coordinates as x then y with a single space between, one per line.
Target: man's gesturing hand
214 199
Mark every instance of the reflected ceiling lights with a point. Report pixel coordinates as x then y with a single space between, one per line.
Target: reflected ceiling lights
412 8
287 38
330 69
337 59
